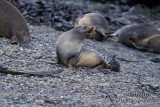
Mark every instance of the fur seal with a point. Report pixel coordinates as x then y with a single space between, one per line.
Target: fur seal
14 1
151 44
13 25
100 24
89 58
70 53
140 36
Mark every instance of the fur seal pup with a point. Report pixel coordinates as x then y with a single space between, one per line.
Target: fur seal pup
140 36
100 24
70 53
136 34
13 25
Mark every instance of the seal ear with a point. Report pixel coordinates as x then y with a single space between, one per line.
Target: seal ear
138 46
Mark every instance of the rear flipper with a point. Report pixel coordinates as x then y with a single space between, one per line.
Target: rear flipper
113 39
101 66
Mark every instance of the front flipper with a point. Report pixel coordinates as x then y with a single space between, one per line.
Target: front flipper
13 39
101 66
72 62
138 46
17 39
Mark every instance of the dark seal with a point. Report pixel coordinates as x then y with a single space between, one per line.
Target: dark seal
12 24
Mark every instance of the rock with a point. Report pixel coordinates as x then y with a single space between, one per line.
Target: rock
3 66
155 60
52 13
139 14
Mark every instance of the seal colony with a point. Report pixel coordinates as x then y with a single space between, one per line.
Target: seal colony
13 25
96 20
70 52
68 46
140 36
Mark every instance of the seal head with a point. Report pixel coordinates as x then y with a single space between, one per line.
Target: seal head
96 20
68 45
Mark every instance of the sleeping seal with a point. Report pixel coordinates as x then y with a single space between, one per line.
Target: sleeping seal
151 44
100 24
13 25
140 36
70 53
136 33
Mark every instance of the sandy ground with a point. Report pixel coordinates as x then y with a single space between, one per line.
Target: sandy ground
137 84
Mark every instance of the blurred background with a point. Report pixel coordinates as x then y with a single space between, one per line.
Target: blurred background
61 14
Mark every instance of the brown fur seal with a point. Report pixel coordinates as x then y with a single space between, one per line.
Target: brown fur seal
13 24
152 44
100 24
70 53
89 58
141 36
14 1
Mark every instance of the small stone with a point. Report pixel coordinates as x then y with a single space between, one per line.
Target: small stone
21 84
9 75
39 101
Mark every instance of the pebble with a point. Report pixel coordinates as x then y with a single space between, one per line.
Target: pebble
39 101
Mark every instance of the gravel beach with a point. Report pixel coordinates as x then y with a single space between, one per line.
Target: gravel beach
137 84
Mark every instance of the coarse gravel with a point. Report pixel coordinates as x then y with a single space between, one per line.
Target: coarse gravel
135 85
